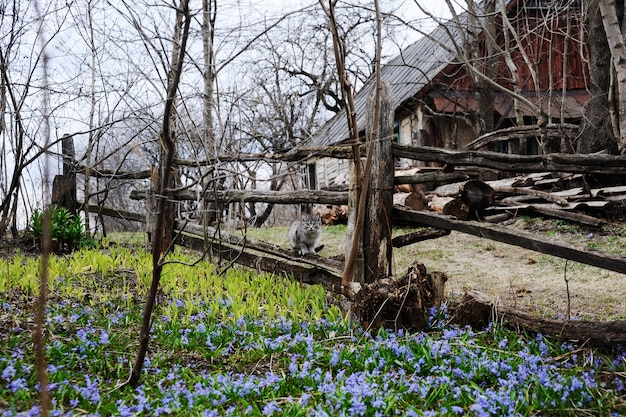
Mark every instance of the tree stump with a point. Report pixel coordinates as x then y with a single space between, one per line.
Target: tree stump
400 303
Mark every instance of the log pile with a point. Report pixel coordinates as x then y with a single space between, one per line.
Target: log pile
332 213
584 199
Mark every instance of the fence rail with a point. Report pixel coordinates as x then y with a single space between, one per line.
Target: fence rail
570 163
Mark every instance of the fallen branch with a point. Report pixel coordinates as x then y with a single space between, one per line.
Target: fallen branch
477 310
419 236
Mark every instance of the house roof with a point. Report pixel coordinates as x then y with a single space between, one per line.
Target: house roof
411 72
407 74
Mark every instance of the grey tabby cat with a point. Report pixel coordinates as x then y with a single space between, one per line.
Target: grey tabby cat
305 233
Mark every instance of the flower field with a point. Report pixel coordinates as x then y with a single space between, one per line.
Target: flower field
246 343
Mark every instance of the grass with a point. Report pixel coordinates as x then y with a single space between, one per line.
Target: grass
249 343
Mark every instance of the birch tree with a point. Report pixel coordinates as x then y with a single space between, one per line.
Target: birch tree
612 14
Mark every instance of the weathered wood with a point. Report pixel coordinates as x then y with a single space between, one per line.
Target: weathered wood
474 194
573 163
256 196
117 213
64 192
377 249
563 213
400 303
555 162
477 311
417 201
530 191
333 266
354 189
435 176
498 218
64 186
449 190
295 155
521 132
260 255
114 174
568 215
515 237
286 197
418 236
451 206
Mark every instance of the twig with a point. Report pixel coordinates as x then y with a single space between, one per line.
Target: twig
567 291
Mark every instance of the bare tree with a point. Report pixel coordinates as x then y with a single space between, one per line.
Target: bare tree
20 95
161 246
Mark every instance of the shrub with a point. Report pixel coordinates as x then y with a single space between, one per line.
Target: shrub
66 229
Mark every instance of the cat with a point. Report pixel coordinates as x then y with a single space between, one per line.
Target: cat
305 233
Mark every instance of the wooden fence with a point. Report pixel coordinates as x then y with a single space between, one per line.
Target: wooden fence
587 164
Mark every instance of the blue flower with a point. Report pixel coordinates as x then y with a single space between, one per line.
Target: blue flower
17 384
8 373
104 337
271 408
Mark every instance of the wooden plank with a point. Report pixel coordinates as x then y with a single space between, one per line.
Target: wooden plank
418 236
333 266
116 212
515 237
549 210
259 196
519 202
435 176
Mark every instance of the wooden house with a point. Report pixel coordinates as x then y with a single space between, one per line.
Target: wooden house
539 53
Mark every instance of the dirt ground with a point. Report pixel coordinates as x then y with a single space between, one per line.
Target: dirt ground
522 278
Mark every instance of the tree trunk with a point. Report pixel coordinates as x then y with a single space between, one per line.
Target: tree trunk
484 91
477 310
615 40
209 7
596 131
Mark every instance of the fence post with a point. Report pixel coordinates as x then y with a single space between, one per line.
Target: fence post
64 186
152 203
377 246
